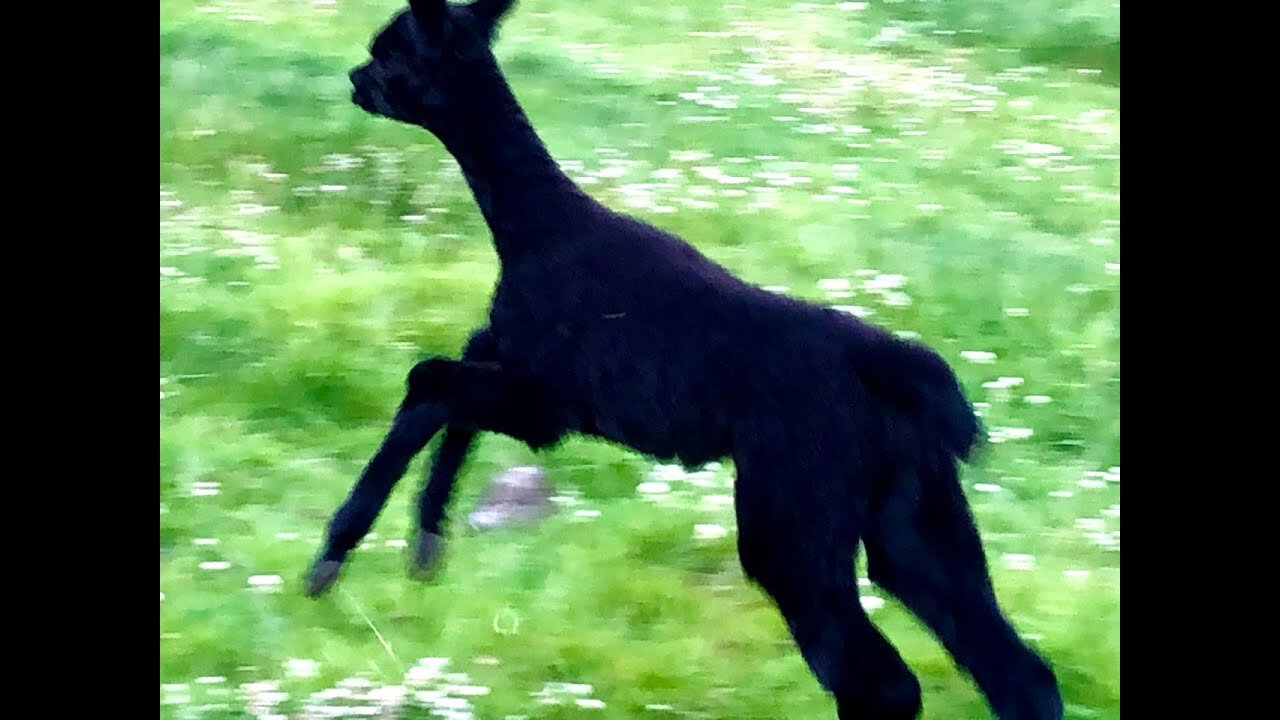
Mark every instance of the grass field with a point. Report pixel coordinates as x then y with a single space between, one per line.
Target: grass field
948 169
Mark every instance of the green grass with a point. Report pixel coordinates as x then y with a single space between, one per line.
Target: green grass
310 254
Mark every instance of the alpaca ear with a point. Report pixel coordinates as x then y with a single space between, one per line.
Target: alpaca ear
489 12
428 13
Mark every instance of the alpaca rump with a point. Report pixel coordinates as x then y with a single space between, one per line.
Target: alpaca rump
606 326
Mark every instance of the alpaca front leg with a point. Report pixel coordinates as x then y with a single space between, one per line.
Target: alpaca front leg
413 427
489 397
433 500
428 544
483 396
479 395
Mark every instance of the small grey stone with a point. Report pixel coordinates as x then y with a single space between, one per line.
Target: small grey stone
518 494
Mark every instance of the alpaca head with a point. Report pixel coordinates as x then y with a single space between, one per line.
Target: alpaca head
427 65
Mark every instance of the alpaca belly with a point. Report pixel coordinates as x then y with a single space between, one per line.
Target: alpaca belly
657 406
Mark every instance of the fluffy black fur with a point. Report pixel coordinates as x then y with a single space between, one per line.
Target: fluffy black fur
604 325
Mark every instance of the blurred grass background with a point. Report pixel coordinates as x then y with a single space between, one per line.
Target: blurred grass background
948 169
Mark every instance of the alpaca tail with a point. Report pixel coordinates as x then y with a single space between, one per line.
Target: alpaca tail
920 384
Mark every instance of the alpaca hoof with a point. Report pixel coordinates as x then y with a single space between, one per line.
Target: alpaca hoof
426 556
323 575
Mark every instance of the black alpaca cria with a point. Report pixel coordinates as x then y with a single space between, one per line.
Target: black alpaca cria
604 325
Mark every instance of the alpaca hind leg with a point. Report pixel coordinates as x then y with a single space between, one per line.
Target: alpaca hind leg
922 546
798 546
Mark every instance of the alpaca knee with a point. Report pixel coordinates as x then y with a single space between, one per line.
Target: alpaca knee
428 379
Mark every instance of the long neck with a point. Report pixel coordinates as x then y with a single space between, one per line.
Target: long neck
521 191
